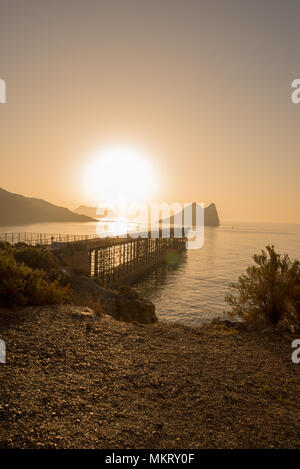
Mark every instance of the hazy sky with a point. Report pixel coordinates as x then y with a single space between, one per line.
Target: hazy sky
203 86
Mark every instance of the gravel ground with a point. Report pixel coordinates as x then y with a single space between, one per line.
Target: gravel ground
73 380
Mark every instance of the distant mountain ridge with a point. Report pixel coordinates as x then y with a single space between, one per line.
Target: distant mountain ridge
97 212
16 209
211 217
87 211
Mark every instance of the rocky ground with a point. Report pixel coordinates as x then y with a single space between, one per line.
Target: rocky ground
73 380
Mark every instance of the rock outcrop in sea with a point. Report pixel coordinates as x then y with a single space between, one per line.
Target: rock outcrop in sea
211 217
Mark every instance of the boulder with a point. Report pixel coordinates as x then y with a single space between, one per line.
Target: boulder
135 310
123 305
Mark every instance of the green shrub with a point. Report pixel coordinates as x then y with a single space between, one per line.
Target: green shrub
269 291
38 258
5 246
20 285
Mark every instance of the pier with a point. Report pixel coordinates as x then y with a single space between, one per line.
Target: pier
111 259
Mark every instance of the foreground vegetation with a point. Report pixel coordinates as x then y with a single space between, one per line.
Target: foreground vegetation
36 276
30 276
269 291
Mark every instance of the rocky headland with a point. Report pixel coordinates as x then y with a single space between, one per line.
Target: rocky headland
17 210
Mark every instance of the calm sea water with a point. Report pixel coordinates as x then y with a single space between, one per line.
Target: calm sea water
193 291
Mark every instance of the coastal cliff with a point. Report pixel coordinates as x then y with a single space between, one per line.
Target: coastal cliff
16 209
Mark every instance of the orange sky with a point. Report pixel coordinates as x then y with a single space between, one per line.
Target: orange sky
204 88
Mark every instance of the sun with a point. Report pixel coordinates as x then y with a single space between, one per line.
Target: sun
120 172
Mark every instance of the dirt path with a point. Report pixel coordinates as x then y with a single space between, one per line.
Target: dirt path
73 380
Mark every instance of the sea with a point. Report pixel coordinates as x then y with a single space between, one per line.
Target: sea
191 288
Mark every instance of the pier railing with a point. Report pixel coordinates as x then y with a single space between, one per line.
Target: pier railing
46 239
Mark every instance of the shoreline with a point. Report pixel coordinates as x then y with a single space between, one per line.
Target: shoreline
76 380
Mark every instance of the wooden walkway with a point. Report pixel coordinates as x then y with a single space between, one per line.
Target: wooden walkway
111 258
119 257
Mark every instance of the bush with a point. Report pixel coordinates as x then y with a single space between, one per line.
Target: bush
20 285
269 291
5 246
38 258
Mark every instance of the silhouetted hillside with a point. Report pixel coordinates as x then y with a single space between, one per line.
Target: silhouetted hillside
16 209
211 217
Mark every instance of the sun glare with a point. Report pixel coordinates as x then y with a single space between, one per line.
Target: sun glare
119 172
